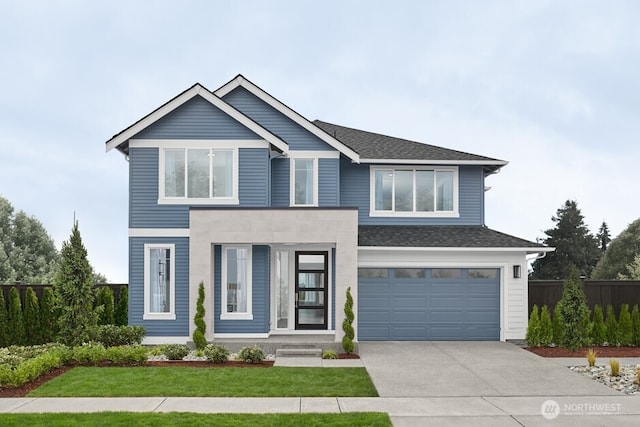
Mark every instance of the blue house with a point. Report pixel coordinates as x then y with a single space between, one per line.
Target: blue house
277 216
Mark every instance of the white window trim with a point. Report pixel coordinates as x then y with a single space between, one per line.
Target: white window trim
233 200
148 314
223 285
292 181
392 213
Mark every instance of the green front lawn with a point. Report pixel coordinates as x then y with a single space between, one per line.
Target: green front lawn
209 382
193 420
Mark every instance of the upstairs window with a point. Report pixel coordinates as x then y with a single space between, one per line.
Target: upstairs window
199 175
304 182
414 192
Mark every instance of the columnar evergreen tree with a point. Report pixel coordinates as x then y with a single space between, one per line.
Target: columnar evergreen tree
4 322
620 254
74 292
574 313
598 330
347 324
16 322
635 322
533 328
613 336
105 300
48 316
546 327
574 243
32 326
122 308
198 334
625 326
556 323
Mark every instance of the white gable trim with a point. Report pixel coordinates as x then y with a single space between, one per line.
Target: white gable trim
437 162
300 120
197 89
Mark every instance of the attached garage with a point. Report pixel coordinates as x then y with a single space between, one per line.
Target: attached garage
413 304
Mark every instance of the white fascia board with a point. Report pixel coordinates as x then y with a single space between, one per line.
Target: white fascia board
282 108
436 162
455 249
199 143
183 98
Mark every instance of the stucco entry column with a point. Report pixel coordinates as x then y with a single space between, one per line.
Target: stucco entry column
209 226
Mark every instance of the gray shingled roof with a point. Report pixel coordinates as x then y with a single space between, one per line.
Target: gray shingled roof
439 236
371 145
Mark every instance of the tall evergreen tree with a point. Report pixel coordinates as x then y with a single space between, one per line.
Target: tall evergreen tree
48 316
122 307
574 243
620 254
32 326
574 313
4 321
604 238
16 322
74 292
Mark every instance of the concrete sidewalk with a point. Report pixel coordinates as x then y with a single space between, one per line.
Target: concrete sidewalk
418 411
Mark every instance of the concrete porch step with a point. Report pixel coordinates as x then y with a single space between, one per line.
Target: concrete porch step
299 352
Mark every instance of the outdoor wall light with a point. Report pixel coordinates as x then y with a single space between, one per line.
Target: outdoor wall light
516 271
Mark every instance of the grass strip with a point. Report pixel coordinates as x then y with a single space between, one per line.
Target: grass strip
208 382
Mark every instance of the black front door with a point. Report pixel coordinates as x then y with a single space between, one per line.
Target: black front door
312 278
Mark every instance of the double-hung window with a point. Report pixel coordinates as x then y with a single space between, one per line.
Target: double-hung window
236 283
304 182
414 191
200 175
159 282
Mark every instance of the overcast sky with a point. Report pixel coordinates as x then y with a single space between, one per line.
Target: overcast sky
550 86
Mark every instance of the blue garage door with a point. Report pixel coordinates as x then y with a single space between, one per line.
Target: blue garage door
439 304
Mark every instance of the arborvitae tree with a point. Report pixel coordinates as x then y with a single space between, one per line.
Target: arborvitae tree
32 326
635 322
198 334
574 313
620 254
625 327
47 316
105 300
613 336
4 321
557 325
574 243
122 309
598 330
74 292
546 327
603 236
347 324
533 328
16 322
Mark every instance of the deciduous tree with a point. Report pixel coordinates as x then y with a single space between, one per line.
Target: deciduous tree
620 254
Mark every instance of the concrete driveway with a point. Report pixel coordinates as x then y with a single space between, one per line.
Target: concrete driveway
452 369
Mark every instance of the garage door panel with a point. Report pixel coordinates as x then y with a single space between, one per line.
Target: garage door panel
445 332
375 316
409 333
448 302
409 317
477 316
446 316
408 303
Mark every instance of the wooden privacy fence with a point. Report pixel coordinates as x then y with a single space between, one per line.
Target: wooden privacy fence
601 292
39 290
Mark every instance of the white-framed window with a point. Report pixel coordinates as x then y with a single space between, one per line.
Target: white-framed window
304 182
236 274
159 282
198 175
407 191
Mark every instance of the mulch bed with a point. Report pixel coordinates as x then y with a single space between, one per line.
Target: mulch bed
582 352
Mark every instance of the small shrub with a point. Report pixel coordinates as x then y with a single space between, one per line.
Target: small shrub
546 328
591 357
598 330
329 354
533 328
615 367
347 324
175 351
127 355
611 325
111 335
32 368
122 308
198 334
635 323
625 327
90 353
216 353
251 354
557 325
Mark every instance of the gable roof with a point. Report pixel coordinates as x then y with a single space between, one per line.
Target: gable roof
442 236
121 139
240 80
377 148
